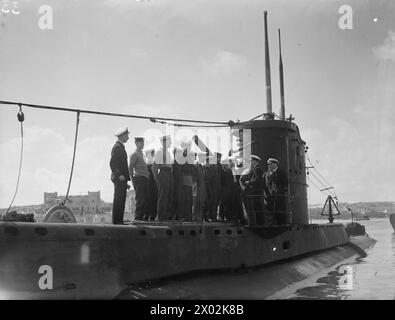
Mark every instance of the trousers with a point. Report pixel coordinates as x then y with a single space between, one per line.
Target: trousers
141 187
118 204
165 195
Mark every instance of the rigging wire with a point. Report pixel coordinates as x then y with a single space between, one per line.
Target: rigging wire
229 123
154 120
21 118
327 185
262 114
308 158
66 198
318 188
308 200
259 115
325 188
330 191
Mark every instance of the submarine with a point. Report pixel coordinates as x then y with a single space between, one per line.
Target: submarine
61 259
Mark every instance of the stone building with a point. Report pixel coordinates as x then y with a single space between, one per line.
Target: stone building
80 204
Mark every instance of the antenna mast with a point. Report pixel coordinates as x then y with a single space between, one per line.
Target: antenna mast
267 67
281 79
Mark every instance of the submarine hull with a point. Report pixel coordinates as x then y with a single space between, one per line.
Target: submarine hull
68 261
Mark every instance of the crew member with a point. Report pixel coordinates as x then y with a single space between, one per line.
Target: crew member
237 202
199 190
213 185
177 183
227 184
152 188
138 170
119 175
185 159
251 183
275 188
210 185
218 186
162 172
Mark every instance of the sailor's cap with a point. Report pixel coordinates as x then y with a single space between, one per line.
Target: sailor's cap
164 138
122 131
139 139
272 160
186 143
254 157
178 150
225 160
149 150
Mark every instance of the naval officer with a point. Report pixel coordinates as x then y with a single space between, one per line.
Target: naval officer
252 185
119 175
275 190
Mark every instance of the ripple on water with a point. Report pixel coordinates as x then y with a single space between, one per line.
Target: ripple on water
370 277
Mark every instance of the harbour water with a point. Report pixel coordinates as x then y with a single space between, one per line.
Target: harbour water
371 277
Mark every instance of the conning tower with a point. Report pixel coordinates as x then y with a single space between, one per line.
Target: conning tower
280 139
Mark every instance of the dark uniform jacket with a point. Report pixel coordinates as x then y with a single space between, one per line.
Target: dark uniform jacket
254 179
119 162
227 180
274 183
213 182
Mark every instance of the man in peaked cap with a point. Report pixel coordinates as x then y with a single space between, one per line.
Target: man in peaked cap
252 184
275 189
119 175
138 170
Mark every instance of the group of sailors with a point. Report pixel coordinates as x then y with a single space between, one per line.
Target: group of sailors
185 185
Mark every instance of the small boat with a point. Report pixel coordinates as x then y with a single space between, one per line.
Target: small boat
362 218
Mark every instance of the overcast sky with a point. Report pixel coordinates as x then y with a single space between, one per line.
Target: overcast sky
202 60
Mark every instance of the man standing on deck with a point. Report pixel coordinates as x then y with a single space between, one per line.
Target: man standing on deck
199 192
186 160
119 175
275 189
227 183
153 189
252 185
163 175
138 170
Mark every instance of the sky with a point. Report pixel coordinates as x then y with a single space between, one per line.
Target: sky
198 60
